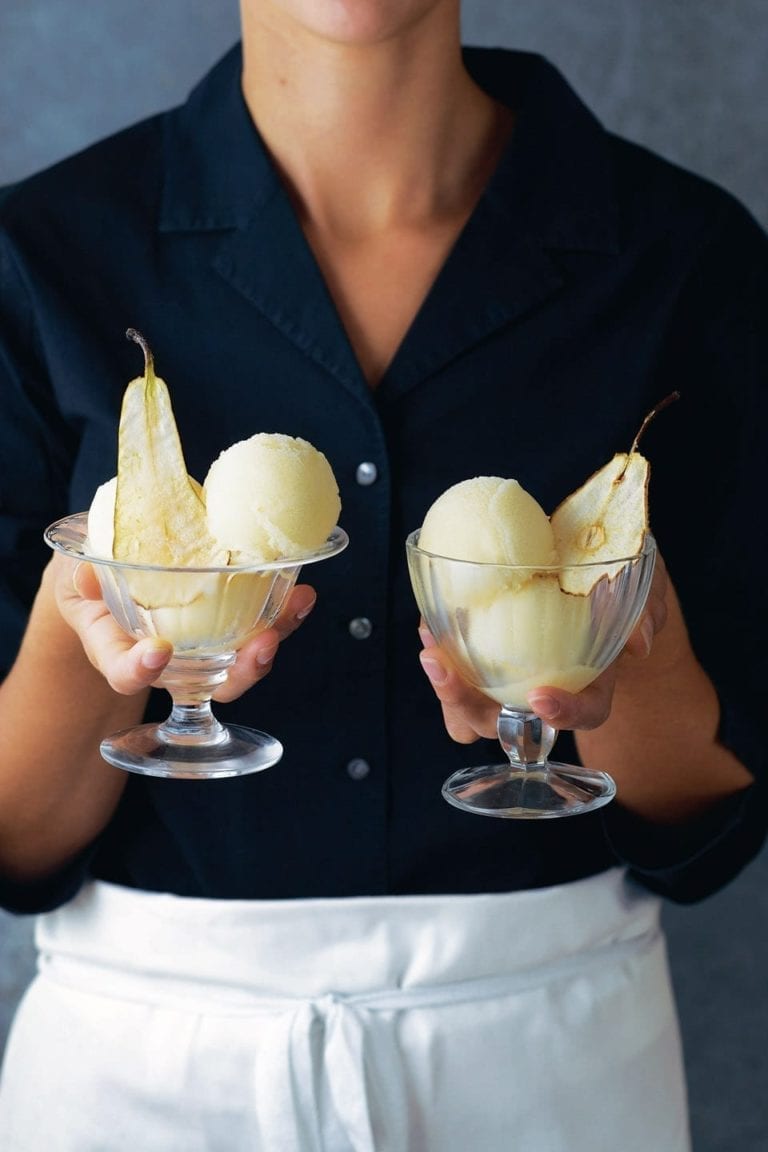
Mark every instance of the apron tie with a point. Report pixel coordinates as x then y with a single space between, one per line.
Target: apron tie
325 1096
381 1024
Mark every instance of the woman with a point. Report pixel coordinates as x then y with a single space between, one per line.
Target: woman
431 264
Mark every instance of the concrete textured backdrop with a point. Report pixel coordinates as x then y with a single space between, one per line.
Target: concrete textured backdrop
684 77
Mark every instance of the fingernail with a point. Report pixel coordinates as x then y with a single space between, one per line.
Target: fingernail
426 638
267 655
647 633
154 658
545 706
75 575
434 670
302 615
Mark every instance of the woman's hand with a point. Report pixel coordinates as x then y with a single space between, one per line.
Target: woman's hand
129 665
468 714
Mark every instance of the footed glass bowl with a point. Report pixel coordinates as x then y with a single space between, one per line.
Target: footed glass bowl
207 614
509 629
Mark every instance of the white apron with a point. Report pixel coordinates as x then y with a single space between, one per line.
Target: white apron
537 1021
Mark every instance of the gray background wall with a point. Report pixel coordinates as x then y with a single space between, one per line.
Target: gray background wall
685 77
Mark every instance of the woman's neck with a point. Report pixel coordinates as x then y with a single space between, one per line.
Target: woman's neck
373 132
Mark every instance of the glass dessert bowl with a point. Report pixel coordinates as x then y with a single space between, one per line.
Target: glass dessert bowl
207 613
508 629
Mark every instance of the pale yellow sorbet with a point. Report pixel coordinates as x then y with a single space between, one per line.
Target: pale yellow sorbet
271 497
491 521
508 624
528 637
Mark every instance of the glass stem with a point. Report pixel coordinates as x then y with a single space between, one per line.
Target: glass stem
191 682
526 739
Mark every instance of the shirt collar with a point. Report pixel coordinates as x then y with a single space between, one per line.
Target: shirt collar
553 184
552 189
555 178
217 173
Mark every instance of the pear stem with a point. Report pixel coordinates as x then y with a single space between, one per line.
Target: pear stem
662 404
149 360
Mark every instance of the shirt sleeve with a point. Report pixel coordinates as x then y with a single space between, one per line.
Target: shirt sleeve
46 894
714 539
35 457
35 461
686 863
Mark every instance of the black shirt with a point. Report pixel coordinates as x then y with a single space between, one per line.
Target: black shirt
591 280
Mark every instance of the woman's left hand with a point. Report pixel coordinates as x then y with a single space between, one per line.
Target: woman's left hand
468 714
120 658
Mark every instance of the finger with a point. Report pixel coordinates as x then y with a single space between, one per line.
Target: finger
467 713
257 655
654 615
127 665
426 637
132 668
85 581
591 707
640 641
576 711
298 605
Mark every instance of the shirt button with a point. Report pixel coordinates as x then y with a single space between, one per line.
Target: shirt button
367 473
360 628
358 769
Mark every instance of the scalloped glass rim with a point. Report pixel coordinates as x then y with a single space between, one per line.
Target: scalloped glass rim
412 542
68 536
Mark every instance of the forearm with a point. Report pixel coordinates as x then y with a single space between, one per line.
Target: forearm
660 741
56 792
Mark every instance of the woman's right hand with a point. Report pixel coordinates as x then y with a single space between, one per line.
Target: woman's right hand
129 666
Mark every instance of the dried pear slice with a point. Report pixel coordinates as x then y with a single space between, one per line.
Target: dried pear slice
606 518
159 513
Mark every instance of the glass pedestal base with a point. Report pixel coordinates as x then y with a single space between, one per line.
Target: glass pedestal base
538 792
234 751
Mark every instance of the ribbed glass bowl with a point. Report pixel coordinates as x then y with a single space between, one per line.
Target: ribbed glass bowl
508 629
207 613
